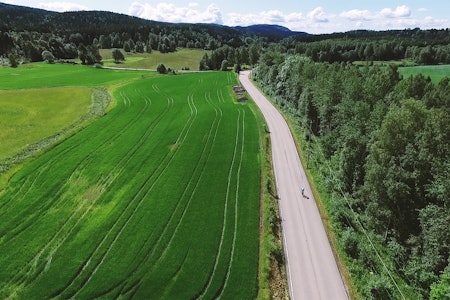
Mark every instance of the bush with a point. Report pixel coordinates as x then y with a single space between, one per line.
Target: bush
13 61
48 57
161 69
224 66
441 289
349 241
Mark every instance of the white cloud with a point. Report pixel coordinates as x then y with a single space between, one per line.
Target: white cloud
61 6
430 22
168 12
273 16
318 15
357 15
422 9
294 17
315 21
402 11
388 18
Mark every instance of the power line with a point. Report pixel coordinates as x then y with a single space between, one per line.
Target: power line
358 220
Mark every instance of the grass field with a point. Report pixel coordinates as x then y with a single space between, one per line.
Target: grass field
436 73
159 198
27 116
183 58
407 69
41 75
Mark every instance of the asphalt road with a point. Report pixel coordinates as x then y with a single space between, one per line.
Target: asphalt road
311 266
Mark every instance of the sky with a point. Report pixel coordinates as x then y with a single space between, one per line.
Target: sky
312 16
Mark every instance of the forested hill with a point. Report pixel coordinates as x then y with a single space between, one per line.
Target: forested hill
32 35
19 18
274 31
26 34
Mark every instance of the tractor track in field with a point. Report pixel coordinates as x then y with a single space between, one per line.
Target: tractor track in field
149 253
40 169
225 214
238 177
166 163
148 257
132 282
31 266
144 189
134 150
42 211
44 168
206 152
32 270
113 180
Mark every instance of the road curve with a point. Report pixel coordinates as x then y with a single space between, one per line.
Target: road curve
311 266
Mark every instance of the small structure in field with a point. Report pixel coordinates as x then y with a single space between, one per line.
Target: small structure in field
238 89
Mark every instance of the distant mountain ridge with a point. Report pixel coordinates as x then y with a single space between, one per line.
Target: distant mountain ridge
270 29
15 17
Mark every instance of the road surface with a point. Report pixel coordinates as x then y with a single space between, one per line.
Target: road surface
311 267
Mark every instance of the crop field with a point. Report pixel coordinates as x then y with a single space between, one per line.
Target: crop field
40 101
158 199
436 73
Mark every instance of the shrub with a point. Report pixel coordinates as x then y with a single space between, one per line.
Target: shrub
161 69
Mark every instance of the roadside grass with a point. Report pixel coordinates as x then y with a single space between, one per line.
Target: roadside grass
272 271
27 116
181 59
436 73
159 197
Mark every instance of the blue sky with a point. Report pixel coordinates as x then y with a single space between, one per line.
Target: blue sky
313 16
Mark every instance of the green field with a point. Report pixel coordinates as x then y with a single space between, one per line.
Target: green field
407 69
41 75
159 198
27 116
436 73
39 101
183 58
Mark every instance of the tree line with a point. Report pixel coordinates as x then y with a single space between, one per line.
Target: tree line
226 56
382 143
423 47
420 46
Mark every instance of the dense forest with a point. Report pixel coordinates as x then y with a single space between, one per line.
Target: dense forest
423 47
25 33
382 145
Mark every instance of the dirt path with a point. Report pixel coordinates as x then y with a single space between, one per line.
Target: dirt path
311 267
